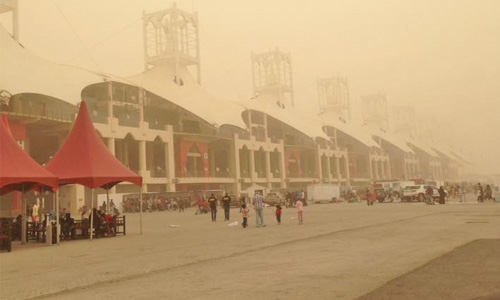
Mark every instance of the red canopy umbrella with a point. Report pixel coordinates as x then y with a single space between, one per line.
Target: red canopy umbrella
84 159
18 171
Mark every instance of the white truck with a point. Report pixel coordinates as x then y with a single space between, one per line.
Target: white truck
322 192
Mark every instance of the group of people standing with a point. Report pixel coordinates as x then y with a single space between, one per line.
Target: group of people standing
484 194
258 205
226 204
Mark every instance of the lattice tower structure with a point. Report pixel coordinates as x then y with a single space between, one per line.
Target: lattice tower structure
172 36
374 111
272 75
404 121
333 96
11 7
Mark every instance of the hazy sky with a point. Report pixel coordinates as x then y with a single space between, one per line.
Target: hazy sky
439 56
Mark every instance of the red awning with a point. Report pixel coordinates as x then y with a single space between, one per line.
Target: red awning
84 158
18 171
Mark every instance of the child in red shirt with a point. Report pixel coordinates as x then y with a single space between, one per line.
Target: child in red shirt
278 214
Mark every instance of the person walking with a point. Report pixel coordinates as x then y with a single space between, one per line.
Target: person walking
182 204
244 213
480 192
212 201
461 194
300 211
278 214
258 206
489 193
442 195
226 202
429 192
368 197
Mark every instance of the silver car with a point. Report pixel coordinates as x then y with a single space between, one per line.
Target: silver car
273 199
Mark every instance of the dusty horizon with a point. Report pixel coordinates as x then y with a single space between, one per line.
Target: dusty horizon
441 57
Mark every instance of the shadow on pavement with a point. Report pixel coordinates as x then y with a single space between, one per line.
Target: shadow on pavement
469 272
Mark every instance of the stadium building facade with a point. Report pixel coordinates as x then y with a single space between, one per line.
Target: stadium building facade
166 127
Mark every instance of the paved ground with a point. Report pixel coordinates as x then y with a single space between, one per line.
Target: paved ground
343 251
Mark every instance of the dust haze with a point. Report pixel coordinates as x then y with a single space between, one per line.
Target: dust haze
441 57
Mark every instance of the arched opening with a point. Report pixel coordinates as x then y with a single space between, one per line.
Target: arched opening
194 163
244 154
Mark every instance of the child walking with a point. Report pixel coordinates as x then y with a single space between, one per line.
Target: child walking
300 211
278 214
244 213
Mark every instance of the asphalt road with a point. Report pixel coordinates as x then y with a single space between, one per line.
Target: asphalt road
343 251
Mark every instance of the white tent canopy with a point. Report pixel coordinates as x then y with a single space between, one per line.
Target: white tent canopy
179 87
356 131
307 124
24 72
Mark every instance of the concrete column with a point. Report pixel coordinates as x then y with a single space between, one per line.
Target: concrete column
170 158
389 169
211 164
372 175
235 157
140 95
319 168
329 166
282 163
268 166
168 162
110 143
252 165
110 101
72 197
149 153
347 172
337 166
125 152
142 158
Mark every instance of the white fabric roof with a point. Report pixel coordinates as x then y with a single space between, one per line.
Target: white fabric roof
307 124
422 146
190 95
392 139
21 71
460 156
357 132
443 150
450 152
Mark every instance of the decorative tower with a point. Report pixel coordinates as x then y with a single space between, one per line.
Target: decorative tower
11 6
427 126
171 36
333 95
404 120
374 111
272 75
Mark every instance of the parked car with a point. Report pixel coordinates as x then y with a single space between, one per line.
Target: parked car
417 192
382 194
273 199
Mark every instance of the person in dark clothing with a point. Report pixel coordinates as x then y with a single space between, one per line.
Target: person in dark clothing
182 204
480 193
226 202
212 201
368 197
429 192
442 195
278 214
